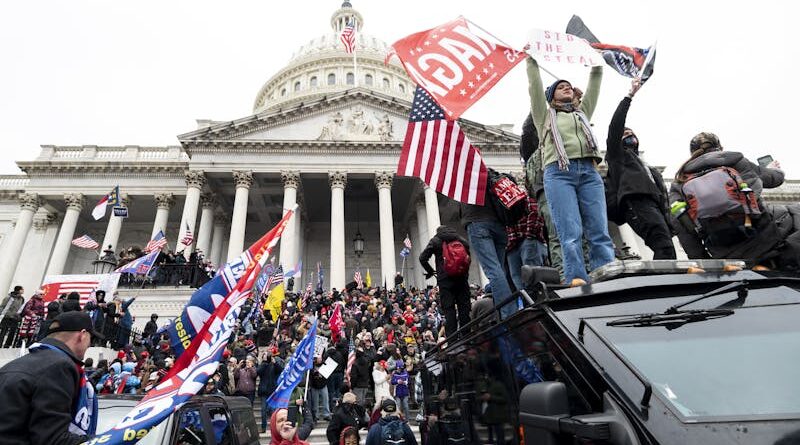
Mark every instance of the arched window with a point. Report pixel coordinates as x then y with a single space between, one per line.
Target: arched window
331 79
386 83
402 88
283 92
368 79
351 79
297 86
313 81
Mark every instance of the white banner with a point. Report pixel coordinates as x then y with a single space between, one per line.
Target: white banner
320 346
559 47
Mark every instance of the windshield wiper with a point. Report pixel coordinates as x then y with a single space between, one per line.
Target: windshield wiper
673 317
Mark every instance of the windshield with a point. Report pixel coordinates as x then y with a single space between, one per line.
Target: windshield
742 365
109 416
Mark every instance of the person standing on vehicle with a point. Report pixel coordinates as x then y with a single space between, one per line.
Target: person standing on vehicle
46 396
390 428
636 194
453 289
10 316
570 154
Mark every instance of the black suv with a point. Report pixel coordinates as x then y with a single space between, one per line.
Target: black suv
202 420
651 355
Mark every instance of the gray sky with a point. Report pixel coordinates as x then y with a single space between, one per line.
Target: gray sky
140 73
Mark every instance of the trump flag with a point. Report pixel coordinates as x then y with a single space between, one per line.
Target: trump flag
301 361
457 63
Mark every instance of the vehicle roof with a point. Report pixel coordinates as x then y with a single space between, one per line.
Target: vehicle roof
130 400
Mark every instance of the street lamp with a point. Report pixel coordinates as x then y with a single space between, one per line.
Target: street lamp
358 244
107 263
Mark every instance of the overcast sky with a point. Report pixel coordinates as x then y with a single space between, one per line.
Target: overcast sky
140 73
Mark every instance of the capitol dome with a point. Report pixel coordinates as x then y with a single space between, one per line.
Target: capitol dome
322 66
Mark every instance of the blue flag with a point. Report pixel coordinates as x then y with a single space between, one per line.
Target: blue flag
404 252
301 361
141 265
320 276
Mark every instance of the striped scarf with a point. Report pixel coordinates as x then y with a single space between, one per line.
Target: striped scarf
561 152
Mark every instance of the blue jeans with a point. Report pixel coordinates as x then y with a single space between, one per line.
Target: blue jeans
529 252
317 397
488 243
403 402
335 382
578 207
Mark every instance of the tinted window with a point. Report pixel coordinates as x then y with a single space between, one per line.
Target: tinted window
245 426
190 427
221 425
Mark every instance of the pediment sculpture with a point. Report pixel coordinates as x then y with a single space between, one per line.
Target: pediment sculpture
356 125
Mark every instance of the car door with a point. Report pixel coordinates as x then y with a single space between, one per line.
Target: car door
192 426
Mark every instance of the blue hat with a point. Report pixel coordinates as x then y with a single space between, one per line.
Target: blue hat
551 90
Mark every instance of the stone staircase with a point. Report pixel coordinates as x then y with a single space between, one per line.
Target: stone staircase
318 436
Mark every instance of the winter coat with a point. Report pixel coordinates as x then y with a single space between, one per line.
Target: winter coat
760 247
11 305
382 387
39 391
268 373
246 380
434 247
375 435
344 415
400 380
360 372
628 175
32 315
71 304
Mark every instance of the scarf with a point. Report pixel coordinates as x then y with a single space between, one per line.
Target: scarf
84 413
561 152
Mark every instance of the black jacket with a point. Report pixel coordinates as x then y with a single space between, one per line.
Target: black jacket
763 245
361 372
268 373
344 415
434 247
70 305
38 392
627 174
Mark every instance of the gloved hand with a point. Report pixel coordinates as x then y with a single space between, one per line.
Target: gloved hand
429 275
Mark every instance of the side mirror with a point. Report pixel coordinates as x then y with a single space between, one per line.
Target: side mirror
538 401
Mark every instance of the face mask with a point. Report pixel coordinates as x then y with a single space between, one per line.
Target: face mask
631 143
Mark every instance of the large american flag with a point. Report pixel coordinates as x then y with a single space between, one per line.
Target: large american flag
188 237
407 242
357 278
438 152
85 242
157 243
348 37
84 285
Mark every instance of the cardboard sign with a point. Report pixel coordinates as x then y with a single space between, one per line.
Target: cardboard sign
320 345
328 367
122 212
559 47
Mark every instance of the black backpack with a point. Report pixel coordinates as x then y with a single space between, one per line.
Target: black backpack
392 433
453 431
508 200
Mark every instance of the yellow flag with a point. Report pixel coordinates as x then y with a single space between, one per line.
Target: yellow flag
368 279
274 301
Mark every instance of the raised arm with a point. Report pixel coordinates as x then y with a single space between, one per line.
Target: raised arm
536 93
589 100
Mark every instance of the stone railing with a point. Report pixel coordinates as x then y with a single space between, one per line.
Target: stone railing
126 153
15 182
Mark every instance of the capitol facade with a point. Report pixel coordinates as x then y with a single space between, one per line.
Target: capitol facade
322 135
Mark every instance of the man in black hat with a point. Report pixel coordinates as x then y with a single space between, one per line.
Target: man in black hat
46 397
391 428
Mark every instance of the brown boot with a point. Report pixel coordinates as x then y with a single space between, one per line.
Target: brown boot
577 282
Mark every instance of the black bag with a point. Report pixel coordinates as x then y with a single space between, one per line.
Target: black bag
508 200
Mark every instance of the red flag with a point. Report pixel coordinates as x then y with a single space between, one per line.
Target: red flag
455 64
337 324
439 153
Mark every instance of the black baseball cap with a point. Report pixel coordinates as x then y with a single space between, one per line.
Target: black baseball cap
73 321
389 406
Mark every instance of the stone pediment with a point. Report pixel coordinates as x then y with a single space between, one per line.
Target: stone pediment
356 115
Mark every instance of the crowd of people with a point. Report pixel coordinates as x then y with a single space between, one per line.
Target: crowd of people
170 268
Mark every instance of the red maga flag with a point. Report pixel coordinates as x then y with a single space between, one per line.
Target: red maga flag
438 152
454 64
337 324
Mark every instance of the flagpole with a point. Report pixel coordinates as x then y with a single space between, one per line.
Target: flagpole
308 371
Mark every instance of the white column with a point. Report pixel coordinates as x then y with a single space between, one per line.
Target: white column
413 259
65 235
243 180
291 182
424 237
29 203
432 210
338 181
206 224
383 181
195 180
216 242
113 229
164 202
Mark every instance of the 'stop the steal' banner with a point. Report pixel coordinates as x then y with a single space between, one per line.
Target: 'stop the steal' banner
559 47
455 62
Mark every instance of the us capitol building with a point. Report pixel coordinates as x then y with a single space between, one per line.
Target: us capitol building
321 135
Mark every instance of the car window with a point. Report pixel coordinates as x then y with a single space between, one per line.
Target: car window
221 424
108 416
245 426
190 427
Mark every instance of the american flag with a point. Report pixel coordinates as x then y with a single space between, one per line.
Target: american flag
84 285
348 37
157 243
188 237
351 358
357 278
274 279
407 242
439 153
85 242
